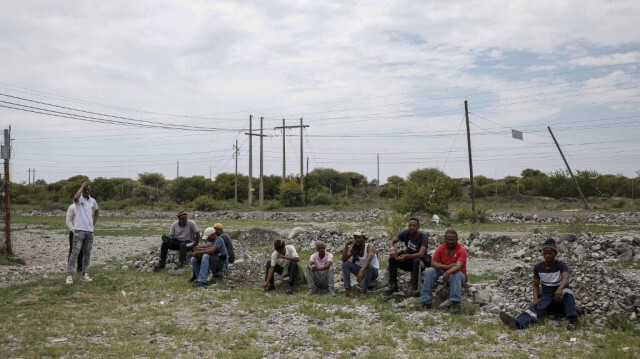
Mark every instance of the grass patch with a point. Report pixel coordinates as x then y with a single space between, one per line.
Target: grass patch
630 264
487 276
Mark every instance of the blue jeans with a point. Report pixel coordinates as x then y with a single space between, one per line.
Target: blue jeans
370 274
456 280
82 241
547 302
202 264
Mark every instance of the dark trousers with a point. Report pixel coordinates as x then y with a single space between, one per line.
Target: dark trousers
71 250
412 265
292 271
548 303
174 244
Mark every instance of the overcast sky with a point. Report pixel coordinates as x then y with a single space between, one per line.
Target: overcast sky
169 87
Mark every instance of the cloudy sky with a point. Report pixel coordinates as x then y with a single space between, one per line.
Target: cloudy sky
118 88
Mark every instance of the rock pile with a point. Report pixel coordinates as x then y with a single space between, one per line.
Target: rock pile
608 248
596 217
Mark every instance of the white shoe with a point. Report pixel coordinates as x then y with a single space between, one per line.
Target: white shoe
85 278
69 280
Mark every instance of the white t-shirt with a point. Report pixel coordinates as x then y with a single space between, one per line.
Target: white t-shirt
290 251
84 214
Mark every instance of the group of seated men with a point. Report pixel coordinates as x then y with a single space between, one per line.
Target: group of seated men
213 254
448 266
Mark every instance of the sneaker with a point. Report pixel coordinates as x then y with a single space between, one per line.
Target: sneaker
509 321
180 264
69 280
455 308
389 291
289 290
86 278
347 292
200 284
426 305
158 267
573 323
193 278
364 295
332 292
414 293
311 291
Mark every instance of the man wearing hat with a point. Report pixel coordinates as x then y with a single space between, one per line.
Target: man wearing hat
231 257
556 294
364 264
183 236
284 261
211 255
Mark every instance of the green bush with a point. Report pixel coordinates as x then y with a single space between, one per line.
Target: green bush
320 198
577 224
418 198
619 203
206 204
466 215
272 205
394 223
291 194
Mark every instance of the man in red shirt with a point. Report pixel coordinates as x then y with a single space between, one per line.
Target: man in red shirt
450 262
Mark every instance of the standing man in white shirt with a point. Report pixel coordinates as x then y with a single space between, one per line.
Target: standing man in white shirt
71 217
85 221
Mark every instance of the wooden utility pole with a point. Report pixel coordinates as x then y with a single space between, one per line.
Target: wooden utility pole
575 181
284 157
378 160
6 155
235 197
473 186
261 193
301 126
251 134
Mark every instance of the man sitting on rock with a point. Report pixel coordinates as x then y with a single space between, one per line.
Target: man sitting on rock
227 242
284 261
556 293
411 259
320 270
449 262
364 264
183 236
210 256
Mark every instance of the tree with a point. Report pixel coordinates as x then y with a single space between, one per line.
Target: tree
329 178
151 179
418 198
103 189
187 189
532 173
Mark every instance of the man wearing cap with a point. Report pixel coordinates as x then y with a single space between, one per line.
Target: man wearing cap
183 236
449 262
211 255
83 226
556 293
231 257
413 258
284 261
320 270
364 264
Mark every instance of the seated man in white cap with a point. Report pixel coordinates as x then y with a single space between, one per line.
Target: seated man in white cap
211 255
556 293
364 264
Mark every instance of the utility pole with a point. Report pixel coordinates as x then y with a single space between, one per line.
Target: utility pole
378 155
29 178
250 195
306 190
473 186
261 194
251 134
284 157
575 181
177 169
6 155
283 127
235 197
